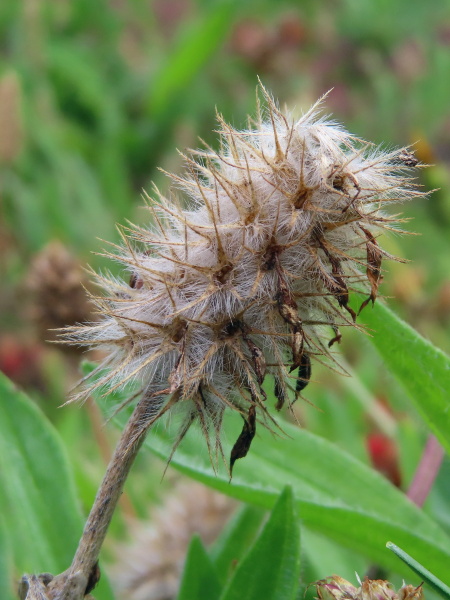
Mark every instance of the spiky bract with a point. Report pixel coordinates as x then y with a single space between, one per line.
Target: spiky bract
253 277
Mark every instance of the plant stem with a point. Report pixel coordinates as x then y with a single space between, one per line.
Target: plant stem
84 568
97 423
426 471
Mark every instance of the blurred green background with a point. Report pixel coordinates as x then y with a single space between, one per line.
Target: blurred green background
96 95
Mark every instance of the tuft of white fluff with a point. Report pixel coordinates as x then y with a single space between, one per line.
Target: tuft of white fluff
249 276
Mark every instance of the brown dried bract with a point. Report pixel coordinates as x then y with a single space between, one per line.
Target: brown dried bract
243 443
374 257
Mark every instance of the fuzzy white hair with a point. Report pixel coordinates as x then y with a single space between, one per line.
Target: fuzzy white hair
281 225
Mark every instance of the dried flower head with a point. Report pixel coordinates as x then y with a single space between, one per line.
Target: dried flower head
337 588
56 297
253 278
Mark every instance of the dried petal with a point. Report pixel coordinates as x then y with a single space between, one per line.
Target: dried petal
242 444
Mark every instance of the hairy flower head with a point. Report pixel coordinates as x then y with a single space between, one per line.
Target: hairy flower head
250 277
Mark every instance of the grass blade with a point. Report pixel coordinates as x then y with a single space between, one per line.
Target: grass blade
424 573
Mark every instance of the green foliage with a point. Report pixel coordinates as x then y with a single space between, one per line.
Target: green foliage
423 369
239 534
41 518
269 569
38 494
6 587
196 46
200 579
424 573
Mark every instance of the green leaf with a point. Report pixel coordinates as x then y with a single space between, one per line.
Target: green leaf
423 369
196 46
37 493
237 536
424 573
271 569
6 592
200 579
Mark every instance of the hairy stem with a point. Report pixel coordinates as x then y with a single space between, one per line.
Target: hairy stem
83 574
95 416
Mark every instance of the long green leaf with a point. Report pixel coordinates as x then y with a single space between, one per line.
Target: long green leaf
6 592
200 579
271 569
38 501
423 369
235 539
37 493
424 573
